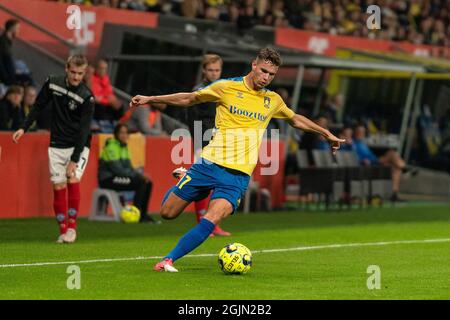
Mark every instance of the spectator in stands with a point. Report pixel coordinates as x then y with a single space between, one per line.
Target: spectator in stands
7 67
332 108
420 22
90 71
145 120
347 134
232 12
310 141
154 5
19 114
137 5
10 107
116 172
248 17
187 8
391 158
278 124
108 108
278 13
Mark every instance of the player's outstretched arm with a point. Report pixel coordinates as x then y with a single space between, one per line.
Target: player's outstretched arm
303 123
182 99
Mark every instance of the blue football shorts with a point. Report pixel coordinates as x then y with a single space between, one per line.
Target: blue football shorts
205 176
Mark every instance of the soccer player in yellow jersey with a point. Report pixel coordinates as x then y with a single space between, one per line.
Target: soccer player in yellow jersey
243 110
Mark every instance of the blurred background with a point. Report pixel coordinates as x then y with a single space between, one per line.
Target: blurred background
386 90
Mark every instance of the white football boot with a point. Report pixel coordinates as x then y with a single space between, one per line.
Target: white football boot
61 238
70 236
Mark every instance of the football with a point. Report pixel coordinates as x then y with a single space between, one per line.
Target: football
235 258
130 214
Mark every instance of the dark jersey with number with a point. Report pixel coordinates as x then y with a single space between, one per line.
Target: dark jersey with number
204 112
71 114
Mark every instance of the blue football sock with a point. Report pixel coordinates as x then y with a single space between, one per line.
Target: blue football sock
192 239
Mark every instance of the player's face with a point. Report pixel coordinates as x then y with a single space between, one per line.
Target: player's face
75 74
212 71
263 73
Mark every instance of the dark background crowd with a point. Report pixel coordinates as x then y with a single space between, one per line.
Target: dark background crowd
415 21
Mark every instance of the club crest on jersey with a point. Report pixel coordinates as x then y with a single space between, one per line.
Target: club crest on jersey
72 105
267 102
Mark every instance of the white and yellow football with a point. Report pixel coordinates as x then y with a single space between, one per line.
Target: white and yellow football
235 258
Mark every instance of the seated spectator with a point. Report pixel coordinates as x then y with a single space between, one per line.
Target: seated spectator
248 17
146 120
107 107
232 12
10 107
347 134
332 108
116 172
19 114
311 141
391 158
90 70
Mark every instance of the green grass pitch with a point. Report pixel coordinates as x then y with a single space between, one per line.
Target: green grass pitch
317 269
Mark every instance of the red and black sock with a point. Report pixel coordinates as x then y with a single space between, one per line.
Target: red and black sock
60 207
74 204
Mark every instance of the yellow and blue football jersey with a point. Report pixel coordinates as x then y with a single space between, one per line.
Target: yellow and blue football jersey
242 115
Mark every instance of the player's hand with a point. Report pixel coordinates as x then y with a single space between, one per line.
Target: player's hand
17 135
138 101
70 171
335 142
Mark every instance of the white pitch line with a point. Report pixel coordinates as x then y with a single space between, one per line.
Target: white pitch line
318 247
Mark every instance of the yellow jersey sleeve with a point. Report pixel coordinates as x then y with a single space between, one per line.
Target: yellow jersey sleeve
211 93
284 112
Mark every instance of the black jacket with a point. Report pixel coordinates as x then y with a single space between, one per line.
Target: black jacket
6 111
205 112
71 114
7 69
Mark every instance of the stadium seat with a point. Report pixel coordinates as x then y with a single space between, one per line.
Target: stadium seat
313 179
98 209
357 183
324 160
256 198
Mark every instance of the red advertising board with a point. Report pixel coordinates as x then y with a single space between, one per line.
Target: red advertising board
54 16
26 190
326 44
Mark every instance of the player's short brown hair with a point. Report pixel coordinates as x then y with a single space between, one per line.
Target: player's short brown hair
77 60
211 58
271 55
